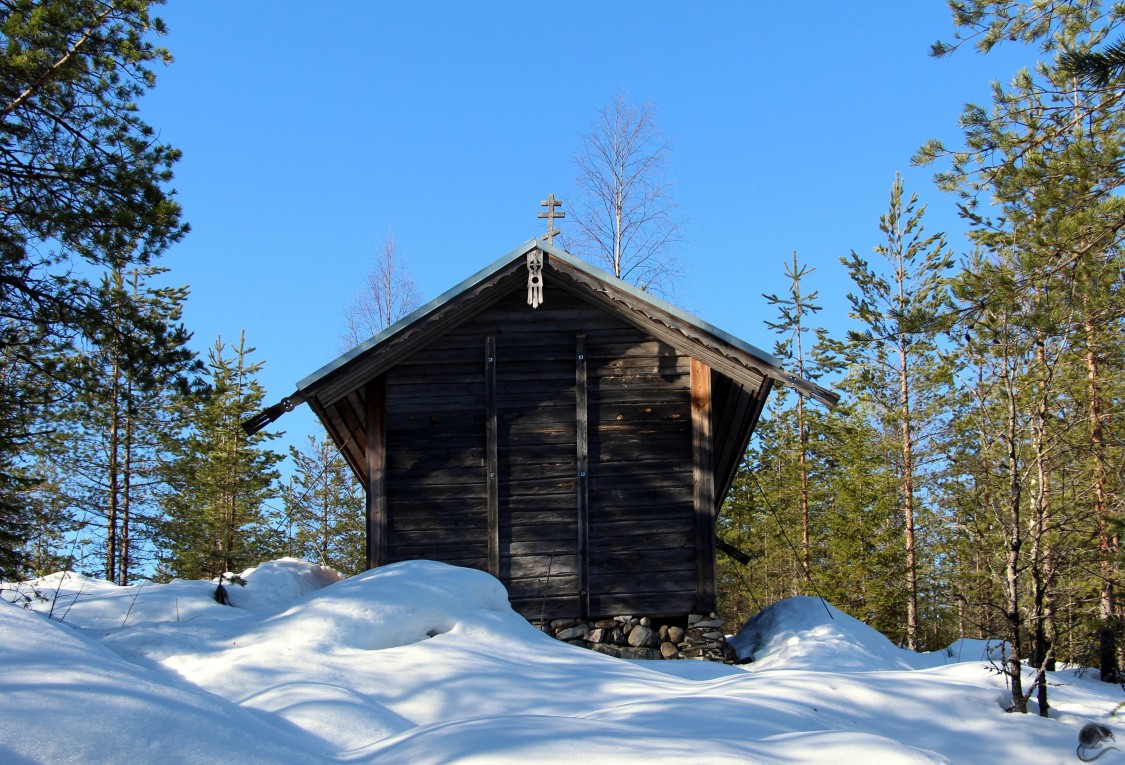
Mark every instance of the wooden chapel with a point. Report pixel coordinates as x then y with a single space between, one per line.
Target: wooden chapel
554 426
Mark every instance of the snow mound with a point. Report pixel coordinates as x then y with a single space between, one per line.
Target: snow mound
67 699
270 587
96 604
969 649
421 662
396 605
806 633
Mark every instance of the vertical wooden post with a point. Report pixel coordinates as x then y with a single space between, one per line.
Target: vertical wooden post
492 457
376 453
703 471
580 395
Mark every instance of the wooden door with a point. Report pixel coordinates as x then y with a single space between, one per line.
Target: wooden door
537 493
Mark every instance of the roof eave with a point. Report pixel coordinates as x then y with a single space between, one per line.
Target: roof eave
310 381
769 364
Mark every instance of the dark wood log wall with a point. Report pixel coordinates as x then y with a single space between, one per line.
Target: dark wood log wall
549 432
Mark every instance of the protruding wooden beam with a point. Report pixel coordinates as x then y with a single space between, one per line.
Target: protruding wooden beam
703 473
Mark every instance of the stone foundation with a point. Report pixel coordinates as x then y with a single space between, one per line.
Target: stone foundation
698 636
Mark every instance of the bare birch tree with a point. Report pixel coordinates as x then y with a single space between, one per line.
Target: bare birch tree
625 216
389 293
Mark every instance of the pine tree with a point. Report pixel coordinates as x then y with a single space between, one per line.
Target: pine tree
891 358
129 371
54 539
83 182
865 561
217 519
1048 154
30 384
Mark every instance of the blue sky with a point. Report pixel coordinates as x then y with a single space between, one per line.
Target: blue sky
311 130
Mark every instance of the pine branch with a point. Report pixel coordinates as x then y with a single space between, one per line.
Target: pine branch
1100 69
57 66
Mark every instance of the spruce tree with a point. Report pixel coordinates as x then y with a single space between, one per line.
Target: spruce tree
776 508
794 312
217 517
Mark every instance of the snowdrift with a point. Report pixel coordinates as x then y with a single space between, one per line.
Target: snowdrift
426 663
807 633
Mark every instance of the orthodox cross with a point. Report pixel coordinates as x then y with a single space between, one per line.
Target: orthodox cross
551 203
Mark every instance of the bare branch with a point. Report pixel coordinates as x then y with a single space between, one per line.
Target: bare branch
388 294
626 217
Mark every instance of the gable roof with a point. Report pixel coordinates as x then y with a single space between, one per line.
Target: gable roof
746 373
687 333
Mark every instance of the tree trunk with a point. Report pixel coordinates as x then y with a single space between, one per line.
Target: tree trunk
1011 567
1042 558
111 470
1107 551
802 467
123 558
908 502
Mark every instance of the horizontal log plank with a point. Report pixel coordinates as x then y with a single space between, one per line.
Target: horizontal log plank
609 413
467 523
436 456
641 391
405 375
657 465
440 552
555 467
657 562
463 404
651 584
444 536
399 491
540 540
651 604
627 447
413 504
667 533
506 321
539 609
652 516
436 476
545 486
526 566
635 541
530 589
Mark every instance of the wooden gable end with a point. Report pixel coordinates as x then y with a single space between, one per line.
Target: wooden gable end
554 448
579 451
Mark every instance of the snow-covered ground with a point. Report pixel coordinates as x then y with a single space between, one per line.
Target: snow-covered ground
422 663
